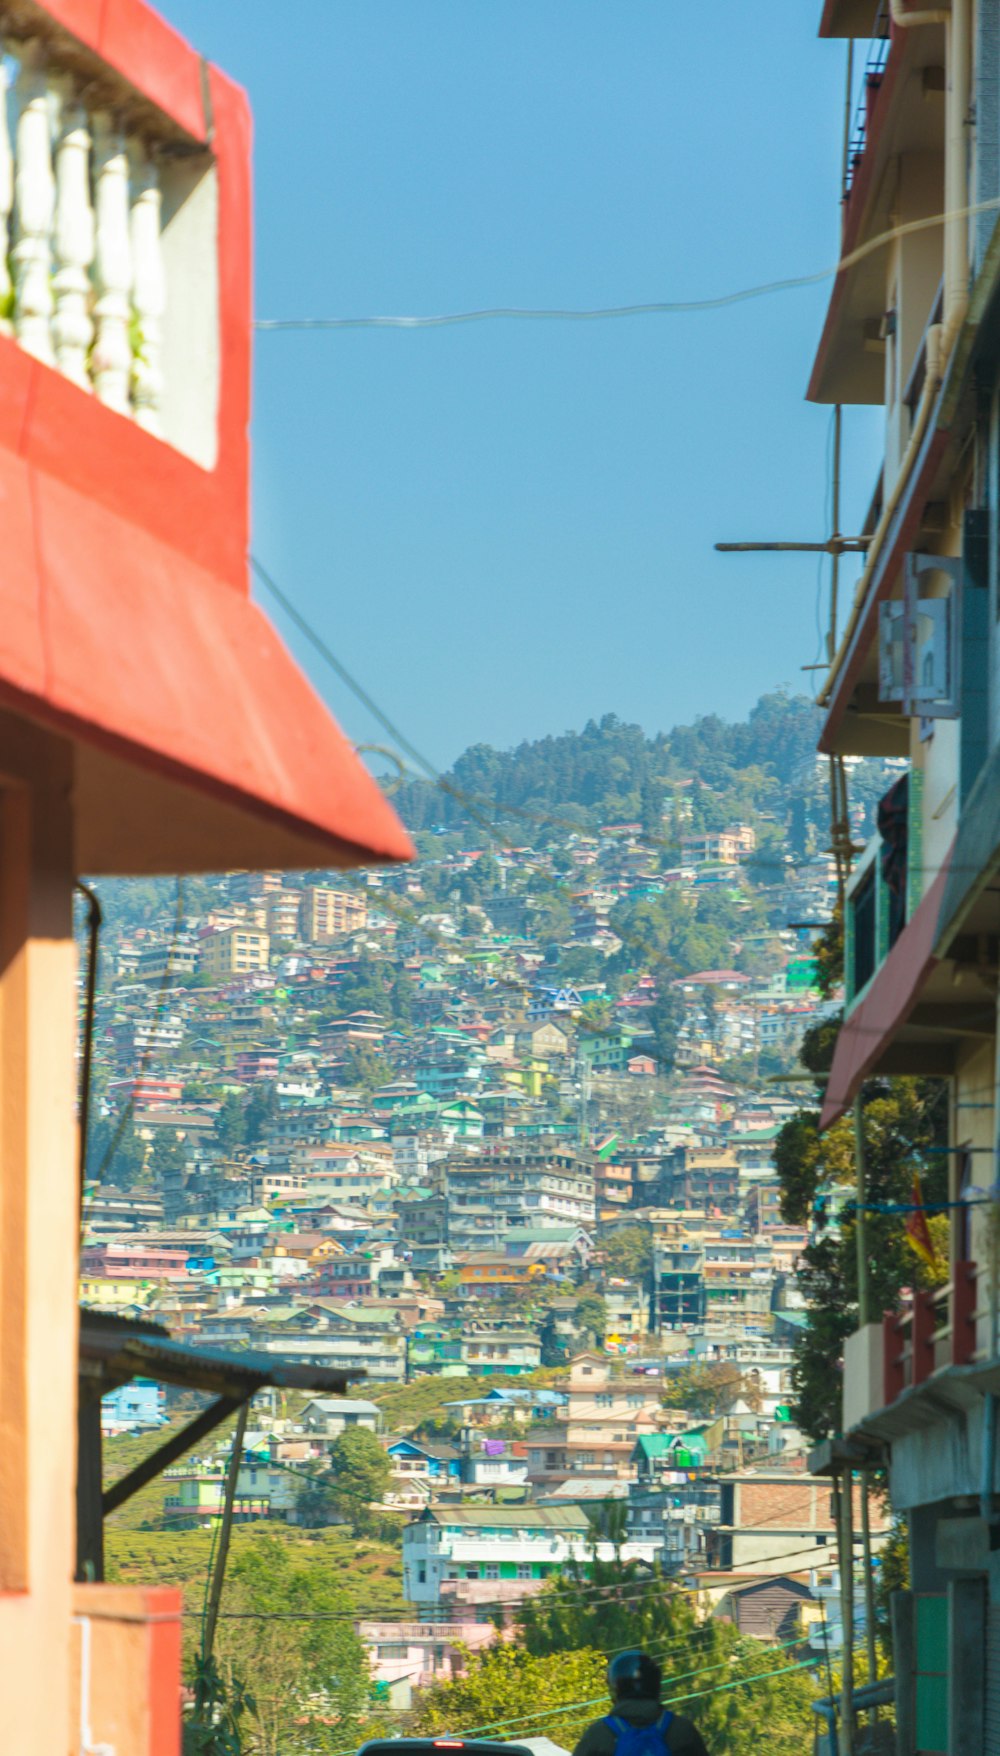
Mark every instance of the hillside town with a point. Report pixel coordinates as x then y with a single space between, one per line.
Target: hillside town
556 1197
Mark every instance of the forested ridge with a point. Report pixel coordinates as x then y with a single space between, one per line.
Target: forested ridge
612 771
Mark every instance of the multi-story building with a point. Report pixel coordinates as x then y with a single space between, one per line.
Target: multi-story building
697 1176
234 951
679 1297
282 914
530 1185
152 722
595 1433
915 675
327 914
473 1554
726 847
774 1520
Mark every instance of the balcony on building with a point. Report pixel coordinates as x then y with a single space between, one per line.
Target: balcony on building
894 173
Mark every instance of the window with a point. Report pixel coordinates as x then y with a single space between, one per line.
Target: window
524 1570
492 1570
861 906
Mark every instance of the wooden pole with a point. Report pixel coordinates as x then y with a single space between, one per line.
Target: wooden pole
845 1562
866 1549
861 1217
215 1594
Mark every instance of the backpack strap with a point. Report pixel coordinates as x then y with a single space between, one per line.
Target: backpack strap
618 1726
665 1722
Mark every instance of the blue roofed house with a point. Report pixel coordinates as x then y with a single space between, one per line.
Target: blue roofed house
137 1404
421 1466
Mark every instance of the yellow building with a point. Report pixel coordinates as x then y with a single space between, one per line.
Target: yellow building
108 1294
235 951
325 914
486 1270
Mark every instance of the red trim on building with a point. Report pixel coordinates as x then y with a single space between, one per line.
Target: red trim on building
164 1607
127 616
143 48
894 991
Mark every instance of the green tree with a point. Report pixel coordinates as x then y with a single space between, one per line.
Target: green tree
260 1112
168 1154
115 1154
366 1067
627 1252
288 1630
553 1681
359 1476
591 1314
230 1123
903 1122
512 1690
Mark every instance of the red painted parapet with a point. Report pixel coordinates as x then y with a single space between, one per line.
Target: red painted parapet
127 1647
894 1380
963 1320
924 1325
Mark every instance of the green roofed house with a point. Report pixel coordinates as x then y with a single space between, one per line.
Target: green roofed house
480 1554
656 1452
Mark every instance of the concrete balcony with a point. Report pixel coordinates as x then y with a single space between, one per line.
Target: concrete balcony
108 253
936 1329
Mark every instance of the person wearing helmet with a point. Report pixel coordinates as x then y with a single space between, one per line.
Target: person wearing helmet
639 1724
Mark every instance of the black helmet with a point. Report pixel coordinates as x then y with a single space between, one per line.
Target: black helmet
634 1676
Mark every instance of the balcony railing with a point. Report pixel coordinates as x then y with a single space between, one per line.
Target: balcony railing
885 885
100 211
939 1329
878 55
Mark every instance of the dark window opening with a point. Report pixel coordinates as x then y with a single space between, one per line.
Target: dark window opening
863 913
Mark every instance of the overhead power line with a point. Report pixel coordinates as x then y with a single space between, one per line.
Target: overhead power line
647 308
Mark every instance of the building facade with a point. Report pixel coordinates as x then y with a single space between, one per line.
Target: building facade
912 328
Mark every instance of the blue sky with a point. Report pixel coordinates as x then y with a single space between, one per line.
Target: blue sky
506 529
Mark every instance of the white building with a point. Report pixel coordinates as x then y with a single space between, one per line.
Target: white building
478 1553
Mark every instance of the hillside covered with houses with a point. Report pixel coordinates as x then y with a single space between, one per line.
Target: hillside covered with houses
494 1134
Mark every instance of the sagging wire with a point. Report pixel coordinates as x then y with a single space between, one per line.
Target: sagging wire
648 308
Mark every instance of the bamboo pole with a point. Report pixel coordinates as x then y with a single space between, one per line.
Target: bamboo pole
219 1574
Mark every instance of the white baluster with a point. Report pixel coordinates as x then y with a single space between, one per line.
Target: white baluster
111 361
34 195
149 294
6 203
72 327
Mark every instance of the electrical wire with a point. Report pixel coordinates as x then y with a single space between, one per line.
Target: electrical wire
648 308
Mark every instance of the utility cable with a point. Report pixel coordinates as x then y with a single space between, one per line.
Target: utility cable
648 308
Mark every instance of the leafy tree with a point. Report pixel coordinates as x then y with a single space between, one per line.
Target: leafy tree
315 1504
591 1314
260 1112
118 1158
293 1636
360 1473
221 1705
230 1123
366 1067
702 1391
168 1154
903 1122
628 1252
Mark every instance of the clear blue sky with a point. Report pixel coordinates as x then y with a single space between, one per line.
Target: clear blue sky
506 529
